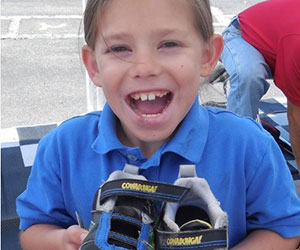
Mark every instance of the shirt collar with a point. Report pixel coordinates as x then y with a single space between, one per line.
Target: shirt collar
191 136
107 139
188 142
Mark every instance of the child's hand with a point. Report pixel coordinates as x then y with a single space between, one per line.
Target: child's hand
45 236
73 237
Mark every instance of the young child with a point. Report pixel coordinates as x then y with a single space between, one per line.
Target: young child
148 57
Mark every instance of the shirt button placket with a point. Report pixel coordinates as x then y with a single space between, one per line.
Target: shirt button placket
132 158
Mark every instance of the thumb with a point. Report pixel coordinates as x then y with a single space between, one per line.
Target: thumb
83 235
74 234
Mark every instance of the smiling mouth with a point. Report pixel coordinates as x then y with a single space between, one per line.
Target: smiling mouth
150 104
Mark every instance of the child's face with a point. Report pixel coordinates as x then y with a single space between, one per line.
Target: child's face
148 58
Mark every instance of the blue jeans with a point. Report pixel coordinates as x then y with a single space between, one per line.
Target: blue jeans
248 72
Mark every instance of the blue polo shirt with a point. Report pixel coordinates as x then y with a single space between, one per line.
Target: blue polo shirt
241 162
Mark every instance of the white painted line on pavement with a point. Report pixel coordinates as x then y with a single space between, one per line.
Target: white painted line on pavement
43 17
14 26
45 26
41 36
223 20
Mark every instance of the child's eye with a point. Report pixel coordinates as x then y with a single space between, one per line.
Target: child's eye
116 49
169 44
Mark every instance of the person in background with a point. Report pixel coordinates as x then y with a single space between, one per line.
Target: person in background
263 42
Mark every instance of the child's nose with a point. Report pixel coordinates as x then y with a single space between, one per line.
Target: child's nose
145 65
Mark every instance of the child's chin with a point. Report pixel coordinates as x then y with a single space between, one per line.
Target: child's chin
155 138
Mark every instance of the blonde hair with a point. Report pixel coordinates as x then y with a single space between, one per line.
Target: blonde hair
94 8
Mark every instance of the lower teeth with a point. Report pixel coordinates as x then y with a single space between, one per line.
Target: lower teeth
150 115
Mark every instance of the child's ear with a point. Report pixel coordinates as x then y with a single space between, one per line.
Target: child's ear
89 60
211 54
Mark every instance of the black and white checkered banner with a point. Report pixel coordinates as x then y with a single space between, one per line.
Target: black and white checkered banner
22 142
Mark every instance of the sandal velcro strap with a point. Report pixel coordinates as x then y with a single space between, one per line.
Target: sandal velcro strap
196 222
143 189
207 239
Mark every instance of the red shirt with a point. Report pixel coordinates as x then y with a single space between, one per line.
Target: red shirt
273 28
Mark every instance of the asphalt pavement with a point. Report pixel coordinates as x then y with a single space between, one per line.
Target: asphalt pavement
42 76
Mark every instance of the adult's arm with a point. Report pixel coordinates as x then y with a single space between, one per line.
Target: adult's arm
294 125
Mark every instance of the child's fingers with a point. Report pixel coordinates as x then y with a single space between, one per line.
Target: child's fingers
83 235
75 235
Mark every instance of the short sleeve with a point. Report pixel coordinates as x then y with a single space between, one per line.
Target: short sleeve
272 202
42 202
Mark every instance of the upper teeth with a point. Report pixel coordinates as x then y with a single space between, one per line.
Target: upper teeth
148 96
